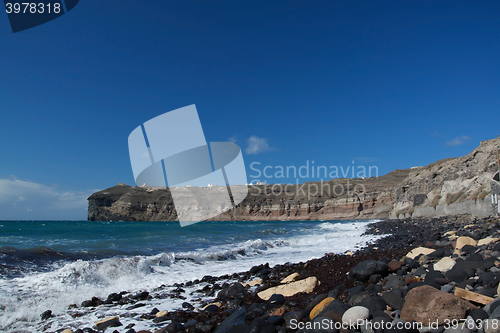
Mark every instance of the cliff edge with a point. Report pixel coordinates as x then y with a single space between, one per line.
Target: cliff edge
451 186
446 187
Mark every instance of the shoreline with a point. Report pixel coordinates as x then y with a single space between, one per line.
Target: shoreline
241 307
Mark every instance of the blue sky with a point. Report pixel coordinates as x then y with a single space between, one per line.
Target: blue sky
388 83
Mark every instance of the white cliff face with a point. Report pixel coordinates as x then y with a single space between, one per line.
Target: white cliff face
451 186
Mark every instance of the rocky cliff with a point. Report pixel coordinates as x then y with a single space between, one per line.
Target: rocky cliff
335 199
450 186
446 187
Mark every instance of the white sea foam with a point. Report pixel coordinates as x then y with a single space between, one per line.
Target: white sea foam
25 298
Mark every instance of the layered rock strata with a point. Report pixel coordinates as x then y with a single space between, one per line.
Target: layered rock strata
451 186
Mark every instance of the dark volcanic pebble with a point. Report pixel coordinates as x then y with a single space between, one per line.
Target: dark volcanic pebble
235 290
486 278
475 257
459 272
478 314
394 300
276 299
374 304
86 304
356 290
141 296
315 301
235 323
365 269
276 320
442 281
212 308
430 279
375 278
334 293
469 249
261 326
439 253
293 316
114 297
382 321
46 315
492 306
490 292
337 306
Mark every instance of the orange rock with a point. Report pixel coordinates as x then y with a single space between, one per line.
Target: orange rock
413 279
320 307
278 312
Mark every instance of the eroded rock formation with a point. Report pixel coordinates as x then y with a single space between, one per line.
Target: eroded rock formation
447 187
450 186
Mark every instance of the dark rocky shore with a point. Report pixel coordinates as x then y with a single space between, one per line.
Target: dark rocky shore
439 272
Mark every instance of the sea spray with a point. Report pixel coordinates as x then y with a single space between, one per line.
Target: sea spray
68 282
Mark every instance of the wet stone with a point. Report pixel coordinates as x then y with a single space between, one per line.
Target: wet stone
276 299
141 296
365 269
276 320
374 304
46 315
478 314
293 316
375 278
212 308
447 288
442 281
394 300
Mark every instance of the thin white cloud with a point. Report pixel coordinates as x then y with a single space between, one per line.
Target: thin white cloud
459 140
435 133
26 200
233 139
257 145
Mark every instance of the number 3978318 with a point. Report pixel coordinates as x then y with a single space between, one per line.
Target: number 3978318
32 8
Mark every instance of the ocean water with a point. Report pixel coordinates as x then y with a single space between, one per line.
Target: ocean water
53 264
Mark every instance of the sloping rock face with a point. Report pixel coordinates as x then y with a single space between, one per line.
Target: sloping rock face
450 186
336 199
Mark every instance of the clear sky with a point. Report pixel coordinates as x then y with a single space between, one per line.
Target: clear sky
392 84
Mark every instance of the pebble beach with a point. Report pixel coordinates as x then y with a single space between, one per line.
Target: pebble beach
423 275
